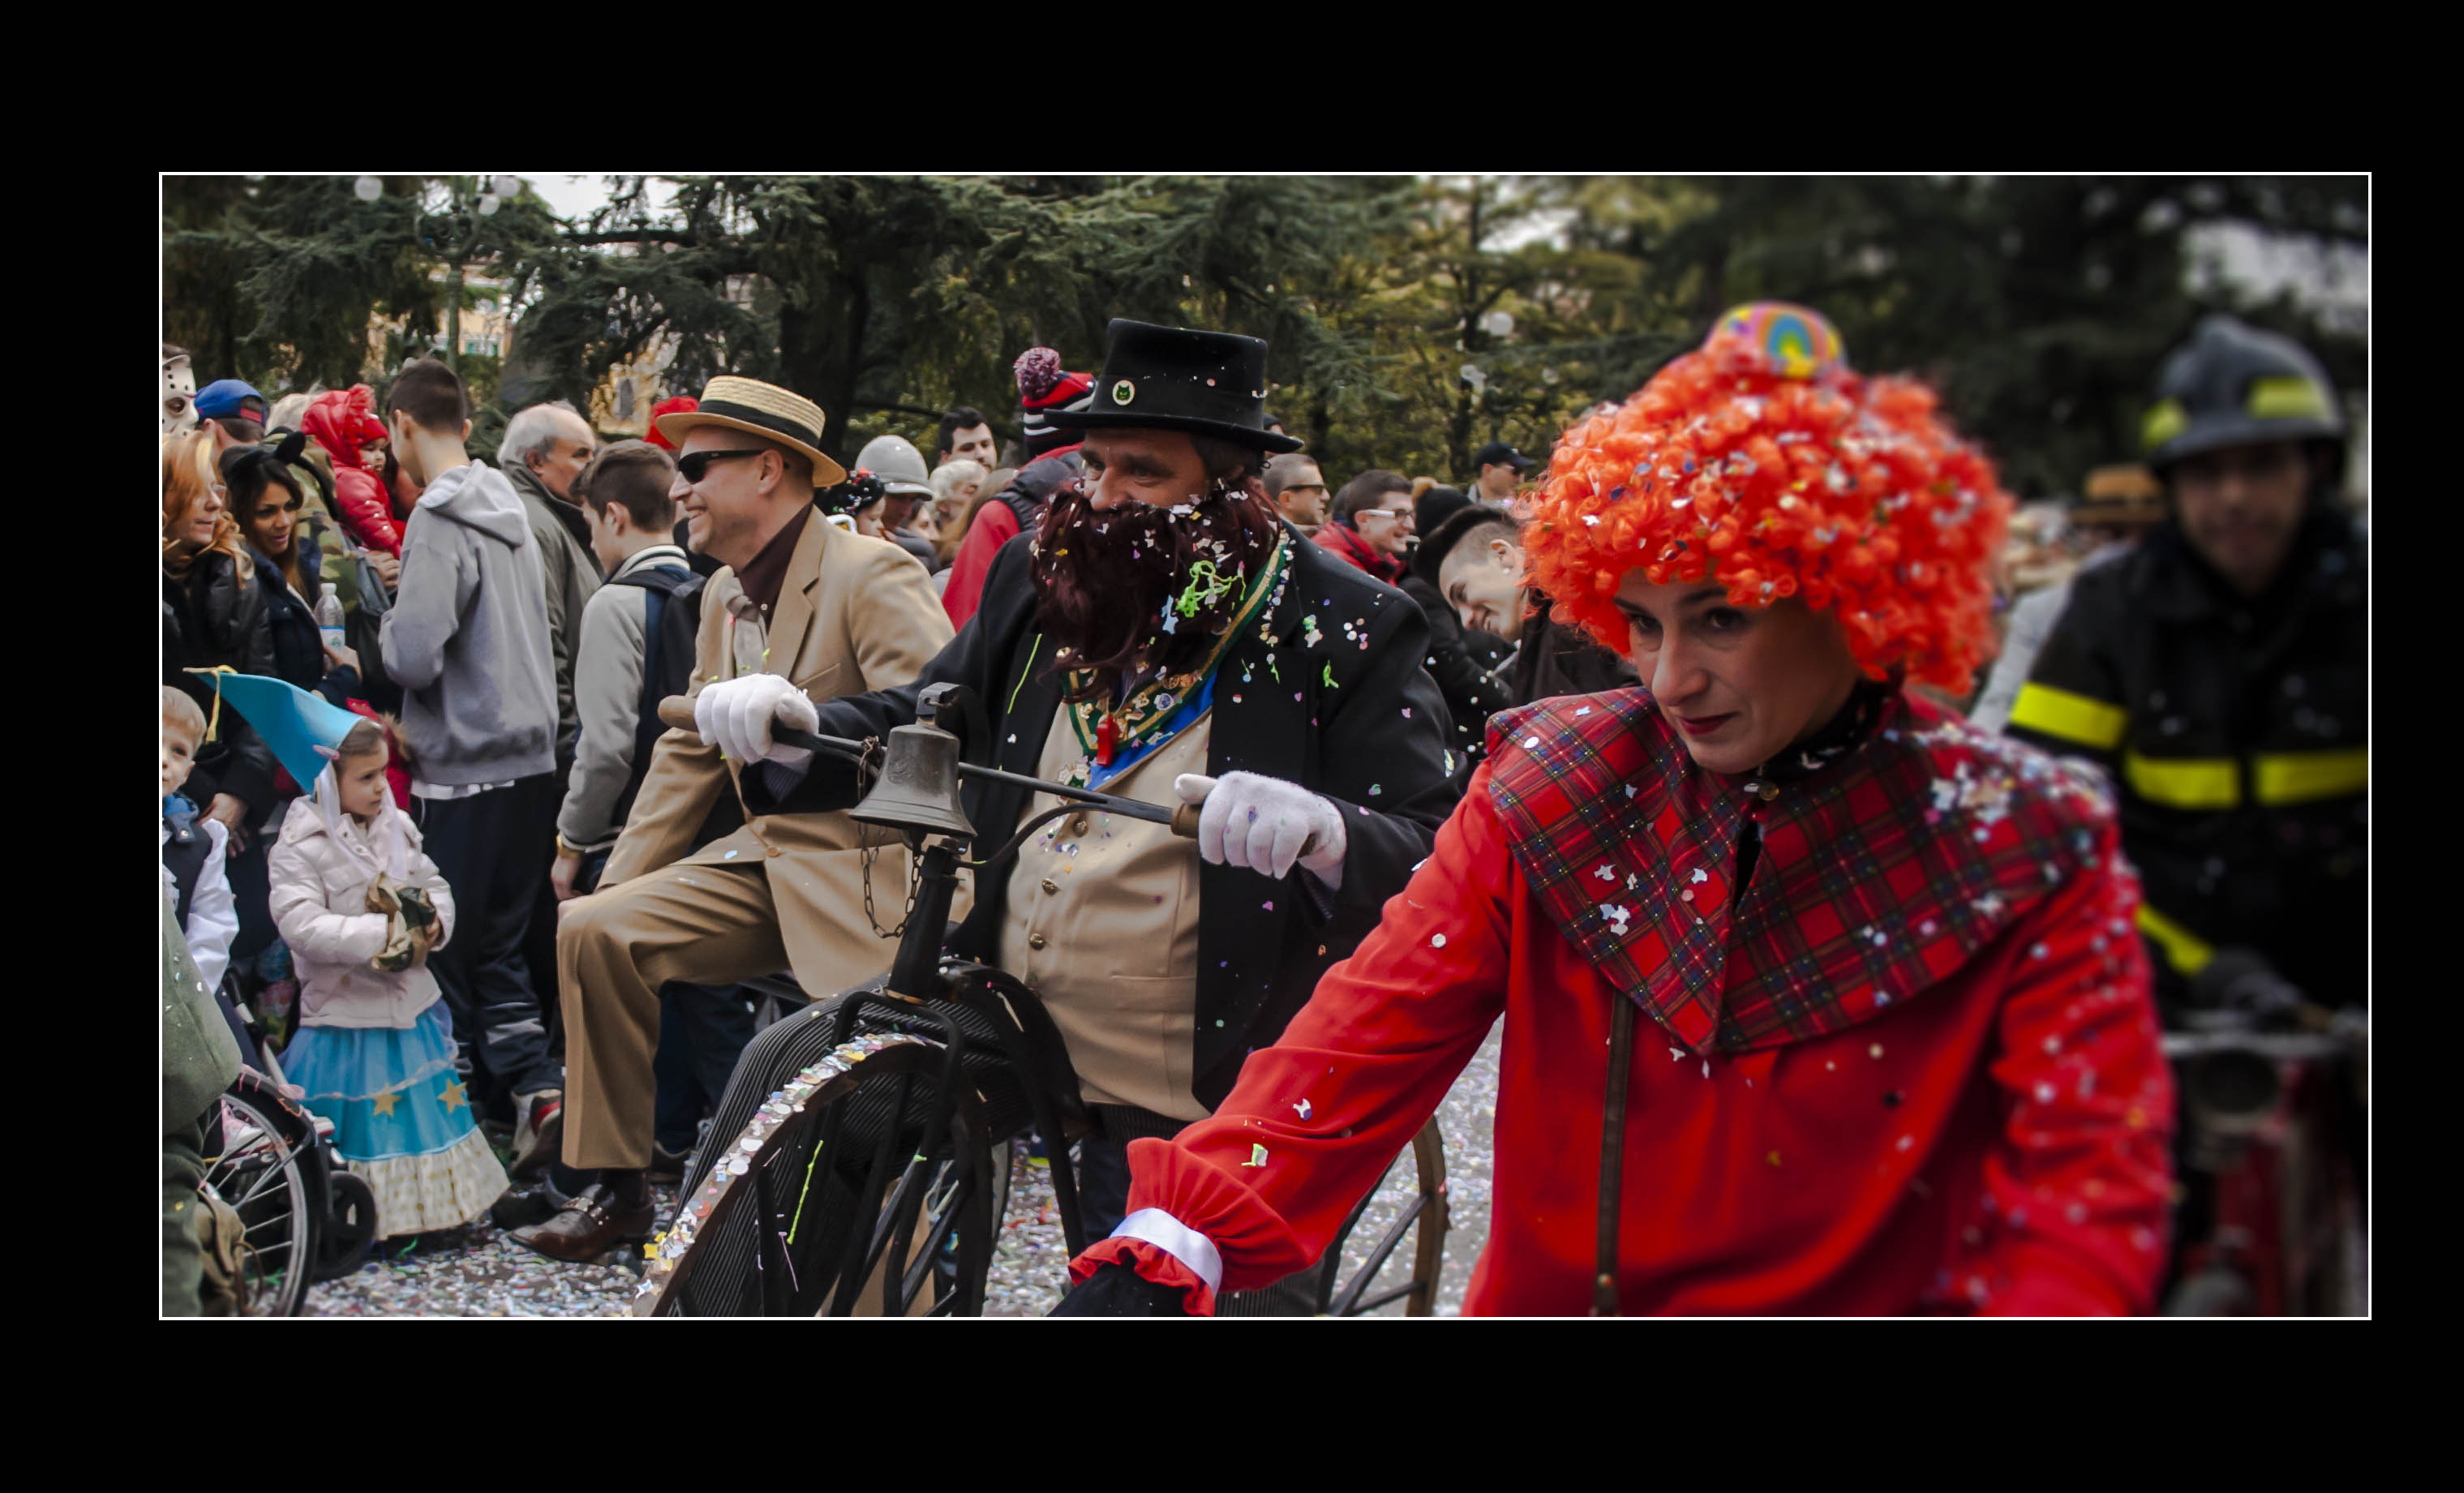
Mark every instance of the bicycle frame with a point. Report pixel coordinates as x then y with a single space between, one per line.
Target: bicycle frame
917 973
2277 1164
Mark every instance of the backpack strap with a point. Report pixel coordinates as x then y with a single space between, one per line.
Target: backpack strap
663 587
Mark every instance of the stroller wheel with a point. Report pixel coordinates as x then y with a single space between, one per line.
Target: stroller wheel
350 1227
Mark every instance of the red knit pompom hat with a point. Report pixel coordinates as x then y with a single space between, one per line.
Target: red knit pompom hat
1043 388
681 404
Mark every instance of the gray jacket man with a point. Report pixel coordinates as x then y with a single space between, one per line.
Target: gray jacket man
467 637
568 575
608 699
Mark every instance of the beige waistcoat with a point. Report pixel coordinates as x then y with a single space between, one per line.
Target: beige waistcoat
1102 923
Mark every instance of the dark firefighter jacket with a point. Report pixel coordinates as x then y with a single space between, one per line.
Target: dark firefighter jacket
2237 732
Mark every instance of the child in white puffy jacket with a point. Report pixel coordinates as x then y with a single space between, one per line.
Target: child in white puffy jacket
360 905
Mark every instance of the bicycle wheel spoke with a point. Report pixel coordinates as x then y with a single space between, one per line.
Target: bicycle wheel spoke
861 1251
886 1232
277 1171
287 1223
1383 1298
936 1229
260 1172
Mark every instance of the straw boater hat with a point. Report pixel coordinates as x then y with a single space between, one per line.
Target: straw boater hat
763 409
2122 497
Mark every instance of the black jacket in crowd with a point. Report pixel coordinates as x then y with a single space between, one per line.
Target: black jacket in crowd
1557 659
290 620
1374 742
2237 731
216 616
1461 666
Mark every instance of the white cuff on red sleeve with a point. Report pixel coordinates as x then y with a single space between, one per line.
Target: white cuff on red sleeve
1177 1240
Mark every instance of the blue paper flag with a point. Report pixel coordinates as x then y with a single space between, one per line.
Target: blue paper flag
293 722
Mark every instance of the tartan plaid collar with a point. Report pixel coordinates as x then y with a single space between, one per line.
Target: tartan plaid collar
1881 873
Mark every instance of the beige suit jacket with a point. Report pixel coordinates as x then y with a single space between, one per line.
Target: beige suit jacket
854 614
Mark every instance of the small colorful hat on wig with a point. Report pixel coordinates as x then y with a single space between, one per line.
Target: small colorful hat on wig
1762 462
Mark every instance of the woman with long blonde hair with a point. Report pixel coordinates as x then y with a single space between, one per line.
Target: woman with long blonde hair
196 510
213 616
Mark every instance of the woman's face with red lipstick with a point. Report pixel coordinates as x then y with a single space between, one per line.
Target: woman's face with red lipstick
1741 686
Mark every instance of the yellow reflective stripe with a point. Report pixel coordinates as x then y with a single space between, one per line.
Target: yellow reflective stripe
2278 398
2188 782
2299 777
2184 950
2164 422
2072 717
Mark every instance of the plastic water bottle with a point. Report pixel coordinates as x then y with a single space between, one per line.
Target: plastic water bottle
329 617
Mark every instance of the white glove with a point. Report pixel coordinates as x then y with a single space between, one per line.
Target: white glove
736 716
1263 823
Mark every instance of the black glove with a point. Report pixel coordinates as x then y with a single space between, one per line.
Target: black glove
417 911
1115 1290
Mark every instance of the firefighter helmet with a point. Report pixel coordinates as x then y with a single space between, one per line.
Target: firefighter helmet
2233 385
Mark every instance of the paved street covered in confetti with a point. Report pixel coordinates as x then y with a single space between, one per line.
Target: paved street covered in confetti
479 1272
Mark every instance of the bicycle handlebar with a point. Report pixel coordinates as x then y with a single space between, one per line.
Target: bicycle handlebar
2275 1046
1181 820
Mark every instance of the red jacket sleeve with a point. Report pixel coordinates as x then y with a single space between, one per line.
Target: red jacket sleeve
2077 1189
365 511
995 526
1315 1118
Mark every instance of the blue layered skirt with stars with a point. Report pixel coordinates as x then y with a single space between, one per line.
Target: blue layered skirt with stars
402 1118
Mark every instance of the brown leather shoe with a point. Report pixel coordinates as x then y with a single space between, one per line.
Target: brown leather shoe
591 1223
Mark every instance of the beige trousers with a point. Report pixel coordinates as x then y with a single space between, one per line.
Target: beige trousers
704 925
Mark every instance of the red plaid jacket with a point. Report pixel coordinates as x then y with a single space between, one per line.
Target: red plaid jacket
1914 1067
1887 871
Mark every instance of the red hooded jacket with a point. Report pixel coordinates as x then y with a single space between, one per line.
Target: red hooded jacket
343 421
1345 540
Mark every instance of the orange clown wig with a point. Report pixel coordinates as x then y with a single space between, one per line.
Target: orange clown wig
1762 461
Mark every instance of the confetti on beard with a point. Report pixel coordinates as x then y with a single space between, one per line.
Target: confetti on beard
1102 580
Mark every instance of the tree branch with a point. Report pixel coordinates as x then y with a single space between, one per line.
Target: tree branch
665 235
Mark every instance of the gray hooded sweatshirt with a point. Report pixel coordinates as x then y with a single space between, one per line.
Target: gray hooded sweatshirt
467 637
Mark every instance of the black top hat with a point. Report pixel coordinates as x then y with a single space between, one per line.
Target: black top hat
1165 377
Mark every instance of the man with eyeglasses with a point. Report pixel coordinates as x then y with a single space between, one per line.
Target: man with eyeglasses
804 612
1297 488
1372 526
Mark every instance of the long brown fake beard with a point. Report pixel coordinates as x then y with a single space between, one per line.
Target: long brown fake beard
1104 581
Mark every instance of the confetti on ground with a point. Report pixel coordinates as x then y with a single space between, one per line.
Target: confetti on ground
476 1271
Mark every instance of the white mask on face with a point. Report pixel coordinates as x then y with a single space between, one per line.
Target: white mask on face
179 408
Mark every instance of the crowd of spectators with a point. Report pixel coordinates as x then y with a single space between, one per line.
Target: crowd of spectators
509 628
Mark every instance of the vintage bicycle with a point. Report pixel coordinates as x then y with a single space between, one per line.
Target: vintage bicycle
2274 1103
855 1175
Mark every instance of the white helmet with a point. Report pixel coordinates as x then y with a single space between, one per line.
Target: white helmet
898 464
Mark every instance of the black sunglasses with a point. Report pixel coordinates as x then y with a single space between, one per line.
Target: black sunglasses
696 466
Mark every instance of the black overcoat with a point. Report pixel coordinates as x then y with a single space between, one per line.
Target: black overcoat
1374 741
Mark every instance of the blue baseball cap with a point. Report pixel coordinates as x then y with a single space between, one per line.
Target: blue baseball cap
228 399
